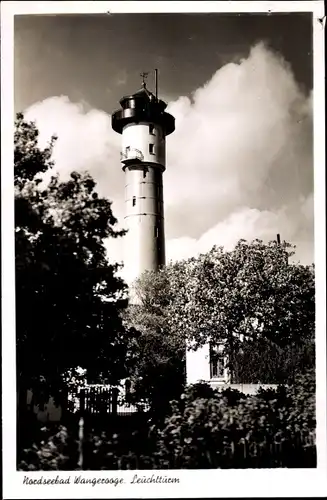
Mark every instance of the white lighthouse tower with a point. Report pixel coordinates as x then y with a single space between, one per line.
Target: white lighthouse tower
144 125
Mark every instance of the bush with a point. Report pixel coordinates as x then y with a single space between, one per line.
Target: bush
302 396
274 428
199 390
232 396
204 429
58 450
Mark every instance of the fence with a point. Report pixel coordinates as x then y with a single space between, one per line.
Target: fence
99 400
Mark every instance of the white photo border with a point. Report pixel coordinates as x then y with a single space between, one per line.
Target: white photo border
192 484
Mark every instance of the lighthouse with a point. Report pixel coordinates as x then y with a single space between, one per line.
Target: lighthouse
143 124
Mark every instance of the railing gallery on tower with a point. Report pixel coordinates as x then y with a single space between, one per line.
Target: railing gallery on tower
131 154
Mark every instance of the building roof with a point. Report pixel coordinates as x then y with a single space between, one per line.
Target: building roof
143 105
142 93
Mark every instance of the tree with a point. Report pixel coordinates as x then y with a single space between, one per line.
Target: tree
68 296
156 359
261 361
250 294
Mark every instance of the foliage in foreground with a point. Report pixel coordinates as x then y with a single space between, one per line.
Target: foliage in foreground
230 429
203 429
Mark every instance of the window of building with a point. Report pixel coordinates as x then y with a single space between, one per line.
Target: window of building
151 129
156 232
151 149
134 201
217 363
217 366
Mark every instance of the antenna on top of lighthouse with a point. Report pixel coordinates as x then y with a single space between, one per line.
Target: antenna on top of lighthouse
156 83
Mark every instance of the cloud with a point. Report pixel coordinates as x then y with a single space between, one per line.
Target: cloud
239 165
251 223
85 141
243 140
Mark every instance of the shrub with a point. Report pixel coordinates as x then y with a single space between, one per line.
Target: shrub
302 396
204 428
58 450
233 396
274 428
199 390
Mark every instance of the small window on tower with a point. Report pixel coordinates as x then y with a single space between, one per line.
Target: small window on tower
156 232
151 129
134 201
151 149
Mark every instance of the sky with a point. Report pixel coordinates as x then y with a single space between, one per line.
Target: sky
240 163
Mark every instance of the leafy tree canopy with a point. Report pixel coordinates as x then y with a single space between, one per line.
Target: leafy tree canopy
252 298
156 355
68 295
252 291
